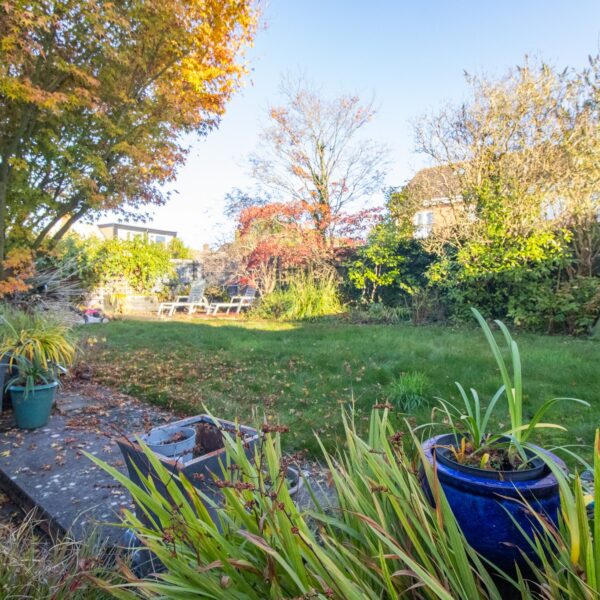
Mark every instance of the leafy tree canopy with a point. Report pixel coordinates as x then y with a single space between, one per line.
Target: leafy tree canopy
95 98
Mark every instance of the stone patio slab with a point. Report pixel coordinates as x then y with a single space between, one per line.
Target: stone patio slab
46 469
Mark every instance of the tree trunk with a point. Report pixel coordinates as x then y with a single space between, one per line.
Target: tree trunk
4 172
67 225
53 222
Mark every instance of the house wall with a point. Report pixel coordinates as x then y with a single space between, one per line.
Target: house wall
435 217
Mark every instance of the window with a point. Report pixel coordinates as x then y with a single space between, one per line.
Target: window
158 239
423 223
554 209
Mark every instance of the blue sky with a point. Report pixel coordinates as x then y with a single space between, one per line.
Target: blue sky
409 55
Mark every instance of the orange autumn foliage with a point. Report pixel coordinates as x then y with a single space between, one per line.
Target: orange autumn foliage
275 237
18 267
98 101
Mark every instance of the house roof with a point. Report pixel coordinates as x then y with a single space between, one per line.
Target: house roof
128 227
434 185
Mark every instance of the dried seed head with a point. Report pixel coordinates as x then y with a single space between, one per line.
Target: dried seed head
379 488
266 428
396 438
383 405
223 484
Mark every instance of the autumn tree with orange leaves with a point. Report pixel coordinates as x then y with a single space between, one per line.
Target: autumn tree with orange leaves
95 98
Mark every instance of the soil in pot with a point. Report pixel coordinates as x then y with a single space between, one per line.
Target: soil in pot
208 439
500 461
177 436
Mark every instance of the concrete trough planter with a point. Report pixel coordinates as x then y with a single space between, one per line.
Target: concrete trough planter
199 470
178 457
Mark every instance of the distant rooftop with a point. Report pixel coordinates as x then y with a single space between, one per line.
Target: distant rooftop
434 183
128 227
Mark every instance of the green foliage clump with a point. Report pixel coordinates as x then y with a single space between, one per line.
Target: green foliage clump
177 249
390 267
505 264
388 541
138 262
379 313
519 268
571 306
536 296
306 295
409 391
388 526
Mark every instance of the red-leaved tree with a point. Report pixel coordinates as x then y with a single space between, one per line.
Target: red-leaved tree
276 238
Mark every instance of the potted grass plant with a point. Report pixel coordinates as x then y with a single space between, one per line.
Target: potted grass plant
492 479
38 348
18 320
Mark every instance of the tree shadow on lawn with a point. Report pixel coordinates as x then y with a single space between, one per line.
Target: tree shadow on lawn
301 375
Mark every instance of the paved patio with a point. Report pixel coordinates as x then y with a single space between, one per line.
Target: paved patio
47 470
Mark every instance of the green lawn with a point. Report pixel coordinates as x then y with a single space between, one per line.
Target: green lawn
301 375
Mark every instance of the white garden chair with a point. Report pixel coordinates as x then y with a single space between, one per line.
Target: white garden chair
193 301
236 304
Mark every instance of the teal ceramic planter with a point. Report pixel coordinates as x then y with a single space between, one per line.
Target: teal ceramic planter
32 410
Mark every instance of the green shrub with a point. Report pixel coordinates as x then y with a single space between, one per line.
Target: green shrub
571 307
531 298
177 249
306 295
409 391
138 262
390 268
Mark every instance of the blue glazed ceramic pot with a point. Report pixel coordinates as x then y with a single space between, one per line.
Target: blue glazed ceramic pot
483 507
